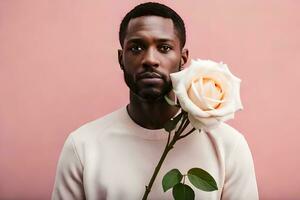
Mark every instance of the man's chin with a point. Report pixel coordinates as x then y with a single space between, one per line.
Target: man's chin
151 95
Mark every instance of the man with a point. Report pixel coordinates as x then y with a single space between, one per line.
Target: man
114 157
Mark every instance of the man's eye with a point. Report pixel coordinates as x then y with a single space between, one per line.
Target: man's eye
136 48
165 48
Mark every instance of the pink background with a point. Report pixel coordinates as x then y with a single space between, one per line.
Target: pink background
58 70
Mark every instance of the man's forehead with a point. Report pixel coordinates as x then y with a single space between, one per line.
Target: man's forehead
151 26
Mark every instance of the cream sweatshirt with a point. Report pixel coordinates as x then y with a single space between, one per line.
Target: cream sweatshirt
113 158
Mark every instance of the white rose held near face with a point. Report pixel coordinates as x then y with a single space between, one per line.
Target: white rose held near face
208 92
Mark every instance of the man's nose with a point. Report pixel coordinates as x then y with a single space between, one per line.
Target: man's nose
150 58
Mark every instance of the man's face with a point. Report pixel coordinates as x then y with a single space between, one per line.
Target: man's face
151 51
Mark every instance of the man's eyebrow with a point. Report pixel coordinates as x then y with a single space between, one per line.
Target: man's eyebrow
164 40
139 40
134 40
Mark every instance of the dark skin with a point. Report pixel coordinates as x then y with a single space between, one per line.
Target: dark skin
151 51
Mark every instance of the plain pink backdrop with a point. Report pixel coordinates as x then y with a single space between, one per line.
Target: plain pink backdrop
59 69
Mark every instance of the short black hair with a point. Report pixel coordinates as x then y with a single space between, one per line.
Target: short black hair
153 9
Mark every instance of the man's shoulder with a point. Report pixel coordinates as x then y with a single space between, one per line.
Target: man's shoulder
227 136
100 126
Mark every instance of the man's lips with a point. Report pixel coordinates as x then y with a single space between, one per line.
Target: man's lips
150 78
149 75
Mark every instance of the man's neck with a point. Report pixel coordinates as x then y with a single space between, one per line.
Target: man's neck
150 115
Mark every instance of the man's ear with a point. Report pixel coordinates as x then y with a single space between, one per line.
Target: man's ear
120 58
184 57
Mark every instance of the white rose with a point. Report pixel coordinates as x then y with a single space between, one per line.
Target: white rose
208 92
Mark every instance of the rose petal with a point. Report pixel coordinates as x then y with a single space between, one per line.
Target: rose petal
187 105
203 123
196 97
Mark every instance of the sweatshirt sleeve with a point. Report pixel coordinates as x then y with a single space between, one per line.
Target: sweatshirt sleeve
240 181
68 181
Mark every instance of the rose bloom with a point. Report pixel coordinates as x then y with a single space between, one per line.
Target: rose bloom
208 92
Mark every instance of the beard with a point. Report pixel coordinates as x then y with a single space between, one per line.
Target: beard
148 93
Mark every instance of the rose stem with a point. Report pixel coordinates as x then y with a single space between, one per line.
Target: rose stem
168 147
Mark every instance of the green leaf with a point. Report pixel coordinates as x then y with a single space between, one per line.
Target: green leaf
169 101
171 124
183 192
202 179
171 178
